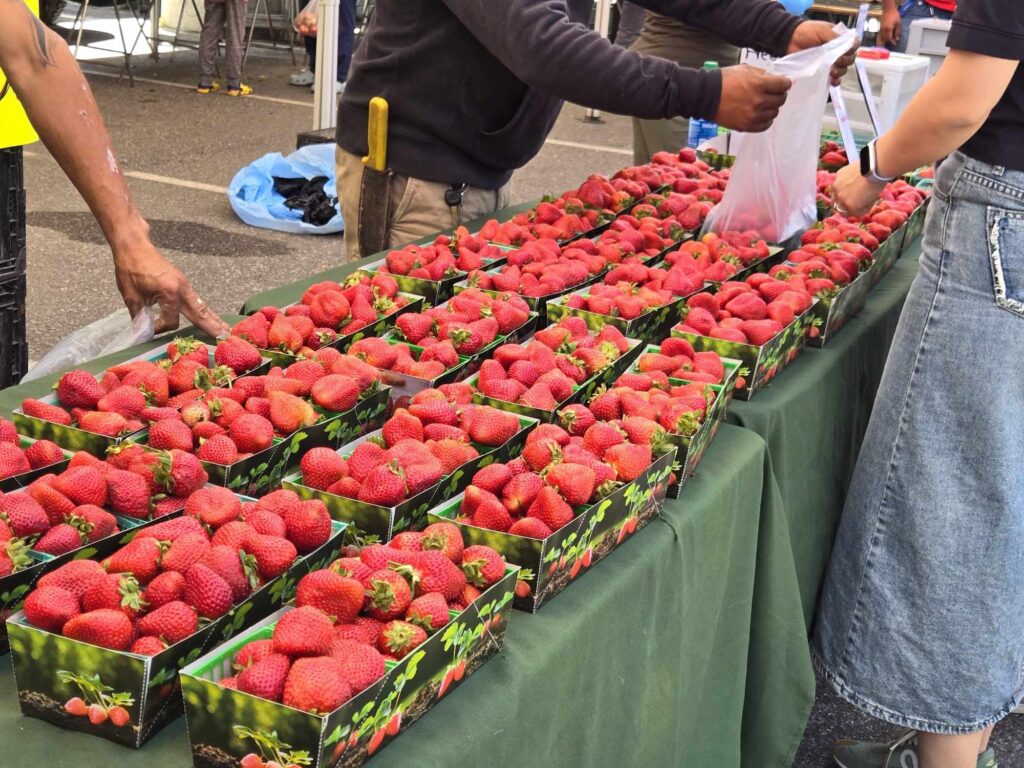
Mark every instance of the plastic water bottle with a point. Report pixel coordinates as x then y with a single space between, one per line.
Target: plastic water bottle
701 130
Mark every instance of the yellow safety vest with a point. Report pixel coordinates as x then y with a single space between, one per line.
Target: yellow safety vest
15 129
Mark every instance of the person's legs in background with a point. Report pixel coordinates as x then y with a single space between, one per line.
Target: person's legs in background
346 37
234 44
650 136
213 26
919 10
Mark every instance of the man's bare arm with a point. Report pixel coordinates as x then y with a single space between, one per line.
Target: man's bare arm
57 98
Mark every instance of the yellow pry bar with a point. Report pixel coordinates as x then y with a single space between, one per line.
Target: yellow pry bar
377 135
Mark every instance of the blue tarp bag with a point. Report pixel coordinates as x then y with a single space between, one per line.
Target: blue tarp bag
256 202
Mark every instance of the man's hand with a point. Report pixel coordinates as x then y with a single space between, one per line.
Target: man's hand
811 34
145 277
751 99
852 193
892 26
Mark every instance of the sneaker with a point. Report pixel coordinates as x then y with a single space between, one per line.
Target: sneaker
205 89
239 90
901 753
305 77
339 88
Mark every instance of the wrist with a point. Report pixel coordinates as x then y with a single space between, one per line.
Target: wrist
128 237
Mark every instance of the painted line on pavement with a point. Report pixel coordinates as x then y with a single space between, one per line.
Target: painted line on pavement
169 180
187 87
591 147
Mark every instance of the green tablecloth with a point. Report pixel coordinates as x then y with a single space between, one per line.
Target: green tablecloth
813 417
685 647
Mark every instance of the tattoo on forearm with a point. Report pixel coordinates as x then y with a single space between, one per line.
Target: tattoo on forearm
39 37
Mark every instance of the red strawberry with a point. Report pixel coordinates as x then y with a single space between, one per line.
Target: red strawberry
75 576
165 588
340 597
180 473
360 664
398 638
83 485
171 622
237 354
140 557
492 478
520 492
531 527
760 332
251 433
102 523
387 595
551 509
316 685
23 514
46 411
146 646
12 461
128 493
252 652
43 453
106 628
575 482
402 426
184 552
219 449
576 418
79 389
273 554
214 505
322 467
384 485
305 631
492 515
602 436
430 611
266 677
265 522
482 566
50 608
228 564
308 525
492 427
336 393
628 460
207 592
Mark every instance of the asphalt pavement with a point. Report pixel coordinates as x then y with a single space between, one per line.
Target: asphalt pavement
180 150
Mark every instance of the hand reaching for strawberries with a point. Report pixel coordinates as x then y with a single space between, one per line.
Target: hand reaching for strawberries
811 34
145 277
751 99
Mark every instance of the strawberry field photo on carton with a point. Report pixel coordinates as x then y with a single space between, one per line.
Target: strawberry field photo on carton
18 458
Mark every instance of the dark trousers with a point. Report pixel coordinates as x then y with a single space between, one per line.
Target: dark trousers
346 39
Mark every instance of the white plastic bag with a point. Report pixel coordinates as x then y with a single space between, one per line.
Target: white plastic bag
772 186
106 336
305 22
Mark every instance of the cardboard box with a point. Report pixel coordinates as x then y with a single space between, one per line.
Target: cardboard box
342 343
50 668
914 226
759 365
224 725
552 564
14 587
691 448
14 482
580 394
650 326
385 522
261 472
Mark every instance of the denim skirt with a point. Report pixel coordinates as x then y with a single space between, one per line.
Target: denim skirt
921 620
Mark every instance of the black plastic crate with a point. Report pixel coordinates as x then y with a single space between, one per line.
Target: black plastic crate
13 342
12 222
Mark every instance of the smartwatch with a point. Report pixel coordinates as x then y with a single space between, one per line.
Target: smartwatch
869 164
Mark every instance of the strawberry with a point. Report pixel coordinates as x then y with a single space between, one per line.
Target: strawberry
398 638
434 572
79 389
46 411
165 588
308 525
207 592
492 427
628 460
493 477
340 597
360 664
531 527
118 591
410 541
402 426
601 436
237 354
184 552
429 611
106 628
520 492
539 396
172 622
214 506
83 485
23 514
147 646
128 493
321 467
50 608
305 631
273 554
252 652
576 418
336 393
482 566
128 402
491 514
8 432
575 482
279 501
102 523
387 595
60 540
251 433
550 508
316 685
266 677
75 576
237 571
43 453
140 557
384 486
219 449
760 332
180 473
265 522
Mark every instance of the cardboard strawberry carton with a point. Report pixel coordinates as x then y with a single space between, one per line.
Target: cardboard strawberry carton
673 366
383 483
642 302
473 322
113 671
556 527
431 270
328 315
23 459
332 682
561 364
